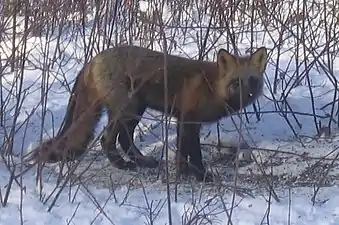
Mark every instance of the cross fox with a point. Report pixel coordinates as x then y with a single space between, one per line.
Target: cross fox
126 80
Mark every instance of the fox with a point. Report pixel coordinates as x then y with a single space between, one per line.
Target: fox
126 80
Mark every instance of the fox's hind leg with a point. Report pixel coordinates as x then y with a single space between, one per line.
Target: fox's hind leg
124 113
127 144
108 144
115 98
127 123
124 127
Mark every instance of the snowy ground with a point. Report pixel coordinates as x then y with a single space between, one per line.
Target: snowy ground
295 207
288 163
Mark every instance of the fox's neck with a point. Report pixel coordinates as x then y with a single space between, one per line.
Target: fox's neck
212 78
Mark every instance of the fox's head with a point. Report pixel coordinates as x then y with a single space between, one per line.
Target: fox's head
241 78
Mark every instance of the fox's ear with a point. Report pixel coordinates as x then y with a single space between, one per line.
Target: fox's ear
259 59
226 61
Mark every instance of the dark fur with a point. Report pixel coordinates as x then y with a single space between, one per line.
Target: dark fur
198 92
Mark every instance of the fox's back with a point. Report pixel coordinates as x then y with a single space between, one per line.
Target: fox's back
139 62
134 65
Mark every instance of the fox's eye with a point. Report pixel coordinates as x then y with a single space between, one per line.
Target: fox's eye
234 86
253 82
236 83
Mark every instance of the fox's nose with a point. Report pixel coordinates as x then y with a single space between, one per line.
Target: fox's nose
253 82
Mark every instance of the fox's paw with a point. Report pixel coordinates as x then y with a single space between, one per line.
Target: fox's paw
201 175
128 165
146 161
206 177
124 165
118 162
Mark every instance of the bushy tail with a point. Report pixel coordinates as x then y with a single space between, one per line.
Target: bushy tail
82 114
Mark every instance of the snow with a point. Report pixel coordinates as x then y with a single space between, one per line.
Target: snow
295 207
296 168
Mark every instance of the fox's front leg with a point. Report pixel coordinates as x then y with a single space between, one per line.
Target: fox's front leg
181 157
188 144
